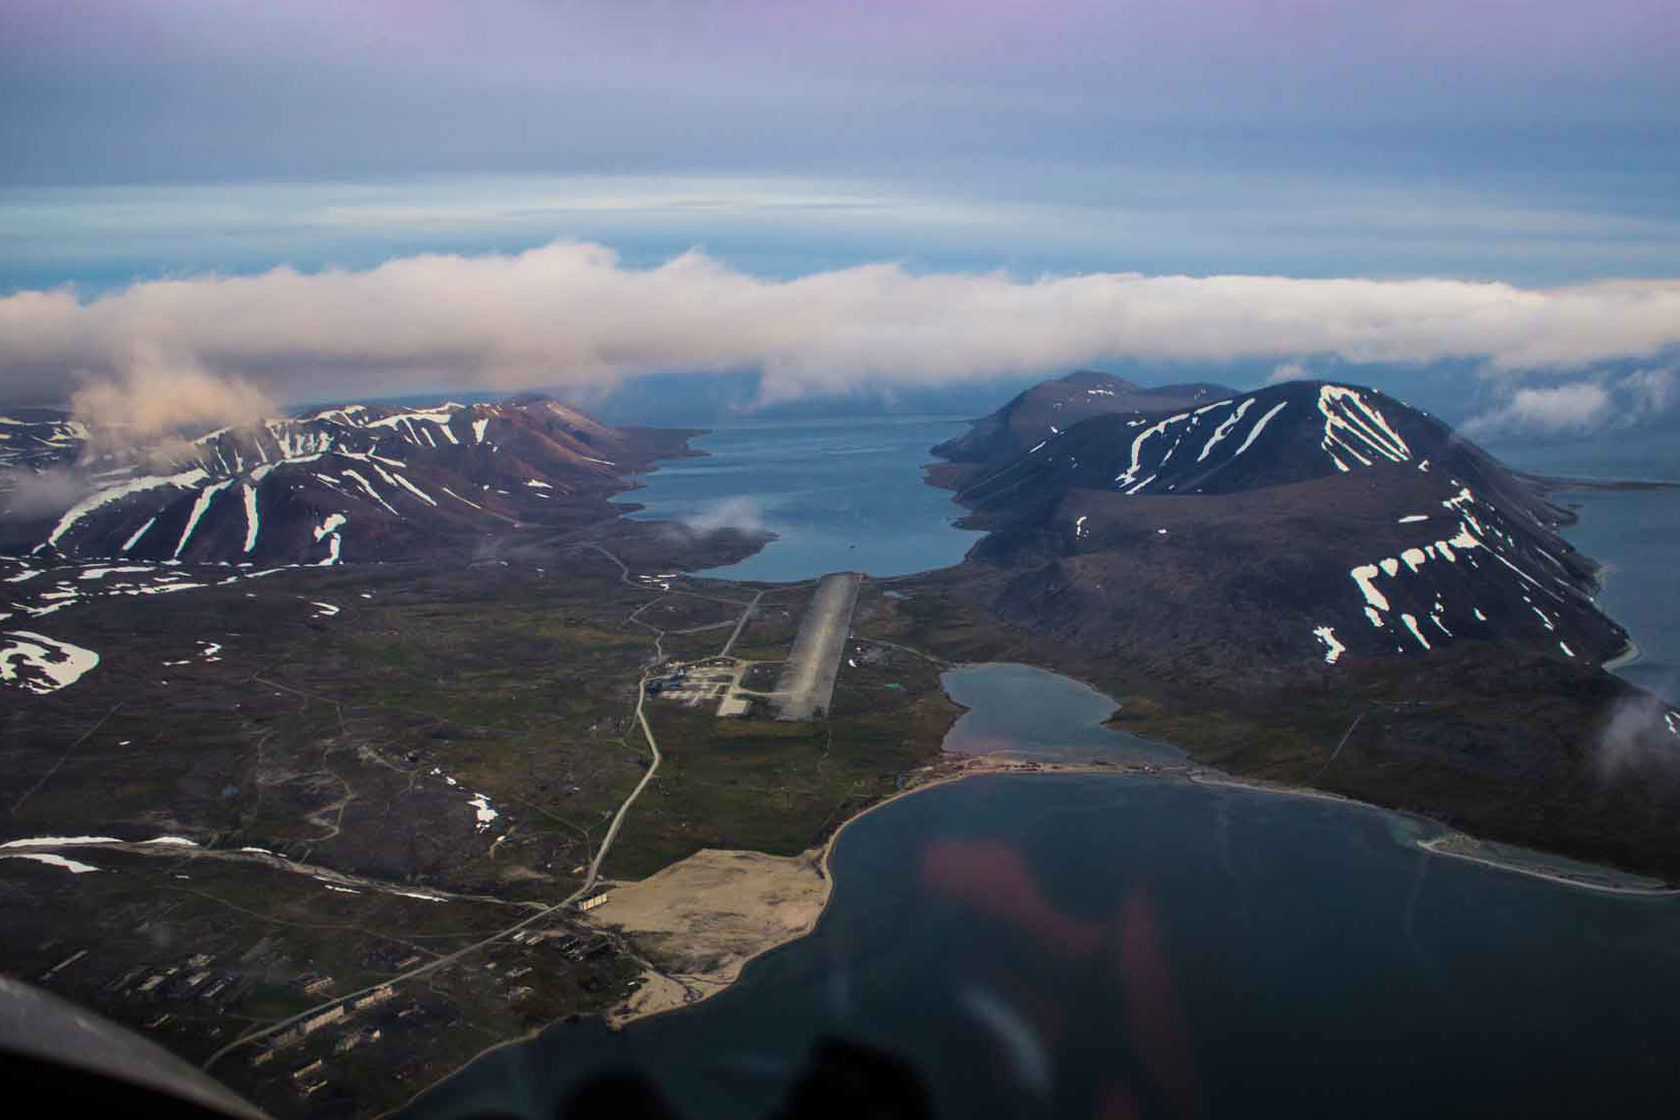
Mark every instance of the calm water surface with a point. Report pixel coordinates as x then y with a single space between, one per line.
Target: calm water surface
842 495
1032 713
1634 534
1080 946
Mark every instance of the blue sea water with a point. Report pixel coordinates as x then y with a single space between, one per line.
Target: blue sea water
840 495
1095 946
1633 534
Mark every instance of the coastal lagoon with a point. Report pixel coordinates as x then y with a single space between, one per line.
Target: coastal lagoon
1024 712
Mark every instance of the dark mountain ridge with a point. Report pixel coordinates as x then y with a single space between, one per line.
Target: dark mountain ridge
362 482
1261 534
1317 585
1055 406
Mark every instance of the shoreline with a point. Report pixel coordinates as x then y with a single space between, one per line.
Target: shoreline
961 768
674 996
1443 846
626 1013
1559 484
1630 654
1614 880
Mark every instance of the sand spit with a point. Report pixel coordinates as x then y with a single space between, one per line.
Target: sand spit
700 920
1542 865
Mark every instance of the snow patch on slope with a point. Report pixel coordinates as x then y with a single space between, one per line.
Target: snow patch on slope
50 664
1333 649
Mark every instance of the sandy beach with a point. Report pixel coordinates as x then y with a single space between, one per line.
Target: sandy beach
1538 865
701 920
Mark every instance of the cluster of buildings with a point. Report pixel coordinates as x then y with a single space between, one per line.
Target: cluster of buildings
697 682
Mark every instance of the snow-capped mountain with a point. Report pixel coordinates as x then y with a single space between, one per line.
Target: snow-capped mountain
344 483
1052 407
35 438
1304 521
1282 434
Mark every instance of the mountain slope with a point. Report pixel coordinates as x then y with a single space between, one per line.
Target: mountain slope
356 482
1315 584
1055 406
1302 523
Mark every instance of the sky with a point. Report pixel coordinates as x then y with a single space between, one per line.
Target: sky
879 193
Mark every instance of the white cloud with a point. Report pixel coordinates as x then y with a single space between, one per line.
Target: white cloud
1582 406
155 398
1576 407
29 493
1288 371
743 514
1650 390
573 314
1635 739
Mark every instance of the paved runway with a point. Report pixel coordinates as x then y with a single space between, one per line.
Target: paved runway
808 676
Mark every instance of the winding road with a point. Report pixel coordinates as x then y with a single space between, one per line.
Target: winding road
590 877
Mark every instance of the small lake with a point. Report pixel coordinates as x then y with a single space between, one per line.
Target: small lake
1031 713
843 494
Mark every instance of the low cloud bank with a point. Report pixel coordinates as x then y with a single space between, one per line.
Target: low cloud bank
743 514
1581 407
26 494
213 349
153 400
1636 740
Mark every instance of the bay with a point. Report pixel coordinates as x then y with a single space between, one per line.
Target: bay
841 495
1075 945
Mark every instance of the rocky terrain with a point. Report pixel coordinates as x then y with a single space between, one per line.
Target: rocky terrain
354 482
357 693
1305 522
317 734
1051 407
